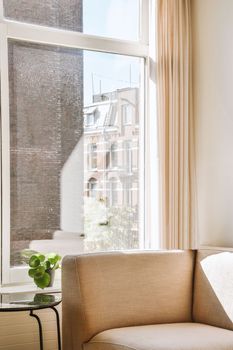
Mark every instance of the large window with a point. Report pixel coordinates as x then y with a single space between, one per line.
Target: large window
66 94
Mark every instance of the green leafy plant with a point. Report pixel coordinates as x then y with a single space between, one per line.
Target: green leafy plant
42 268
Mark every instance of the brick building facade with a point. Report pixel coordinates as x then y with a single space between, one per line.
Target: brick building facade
46 119
111 156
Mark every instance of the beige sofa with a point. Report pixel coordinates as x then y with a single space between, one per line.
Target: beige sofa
163 300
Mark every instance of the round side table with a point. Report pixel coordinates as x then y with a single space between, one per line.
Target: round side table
32 303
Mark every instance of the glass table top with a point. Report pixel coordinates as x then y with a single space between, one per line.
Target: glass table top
28 301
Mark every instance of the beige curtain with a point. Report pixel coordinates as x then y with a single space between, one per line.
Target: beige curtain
176 130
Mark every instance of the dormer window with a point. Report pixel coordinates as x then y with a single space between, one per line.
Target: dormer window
127 111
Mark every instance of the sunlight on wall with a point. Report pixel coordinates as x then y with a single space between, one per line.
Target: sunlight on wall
71 187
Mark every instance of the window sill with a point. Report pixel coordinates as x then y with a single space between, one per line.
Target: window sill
30 288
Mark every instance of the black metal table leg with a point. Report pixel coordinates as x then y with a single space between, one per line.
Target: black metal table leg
40 329
58 327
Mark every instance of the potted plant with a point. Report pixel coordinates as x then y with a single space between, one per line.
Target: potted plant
42 268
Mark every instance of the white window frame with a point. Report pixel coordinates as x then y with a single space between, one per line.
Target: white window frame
11 29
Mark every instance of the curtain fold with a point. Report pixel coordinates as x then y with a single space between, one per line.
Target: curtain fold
175 124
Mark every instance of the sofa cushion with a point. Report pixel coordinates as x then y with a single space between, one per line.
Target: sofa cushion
120 289
177 336
213 288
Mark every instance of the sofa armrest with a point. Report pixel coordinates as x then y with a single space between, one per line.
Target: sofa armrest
73 323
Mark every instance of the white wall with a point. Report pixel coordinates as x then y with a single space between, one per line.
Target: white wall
72 191
213 110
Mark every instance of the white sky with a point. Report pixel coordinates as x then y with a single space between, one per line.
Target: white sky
113 18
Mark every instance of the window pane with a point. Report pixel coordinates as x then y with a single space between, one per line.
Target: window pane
46 89
70 172
112 18
89 16
111 214
65 14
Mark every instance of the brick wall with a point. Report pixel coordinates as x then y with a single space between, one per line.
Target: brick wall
46 102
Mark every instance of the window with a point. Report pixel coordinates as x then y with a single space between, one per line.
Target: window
61 104
90 119
128 193
113 192
113 155
92 187
92 155
128 156
91 116
127 114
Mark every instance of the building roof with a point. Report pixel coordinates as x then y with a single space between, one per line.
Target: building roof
104 114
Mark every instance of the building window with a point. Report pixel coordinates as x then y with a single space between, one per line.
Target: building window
128 156
113 155
113 192
127 111
113 115
92 188
91 116
92 155
90 119
128 193
58 95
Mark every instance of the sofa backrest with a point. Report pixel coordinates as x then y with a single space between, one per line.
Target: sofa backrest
119 289
213 288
